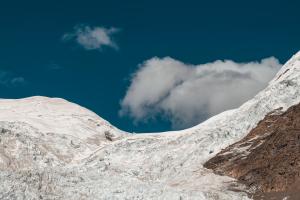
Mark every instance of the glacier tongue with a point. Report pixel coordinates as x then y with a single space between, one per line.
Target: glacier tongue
53 149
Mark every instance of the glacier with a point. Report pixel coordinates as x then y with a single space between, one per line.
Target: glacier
54 149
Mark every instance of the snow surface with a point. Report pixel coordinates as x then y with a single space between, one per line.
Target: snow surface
54 115
53 149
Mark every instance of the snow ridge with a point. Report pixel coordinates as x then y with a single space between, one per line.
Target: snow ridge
69 155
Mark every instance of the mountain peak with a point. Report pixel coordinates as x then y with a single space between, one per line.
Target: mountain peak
51 147
54 115
292 65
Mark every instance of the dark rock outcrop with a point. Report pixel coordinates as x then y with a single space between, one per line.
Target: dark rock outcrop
268 158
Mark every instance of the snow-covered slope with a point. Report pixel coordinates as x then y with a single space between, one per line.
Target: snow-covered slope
41 131
124 166
54 115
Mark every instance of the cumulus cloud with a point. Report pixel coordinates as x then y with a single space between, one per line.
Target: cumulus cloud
92 38
7 79
188 94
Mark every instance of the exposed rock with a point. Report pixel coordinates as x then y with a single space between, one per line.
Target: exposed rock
268 158
53 149
109 136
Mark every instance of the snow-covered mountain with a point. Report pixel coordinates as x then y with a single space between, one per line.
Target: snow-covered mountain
40 131
54 149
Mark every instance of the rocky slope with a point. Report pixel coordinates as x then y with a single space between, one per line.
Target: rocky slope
268 158
53 149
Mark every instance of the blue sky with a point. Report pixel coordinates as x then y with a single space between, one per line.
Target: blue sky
36 58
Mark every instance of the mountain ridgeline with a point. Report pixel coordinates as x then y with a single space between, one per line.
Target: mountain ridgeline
53 149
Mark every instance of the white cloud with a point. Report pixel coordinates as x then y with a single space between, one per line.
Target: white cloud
188 94
7 79
92 38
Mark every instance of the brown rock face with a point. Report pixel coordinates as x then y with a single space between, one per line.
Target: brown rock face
268 158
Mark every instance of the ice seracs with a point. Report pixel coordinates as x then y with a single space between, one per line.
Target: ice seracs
50 129
74 154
